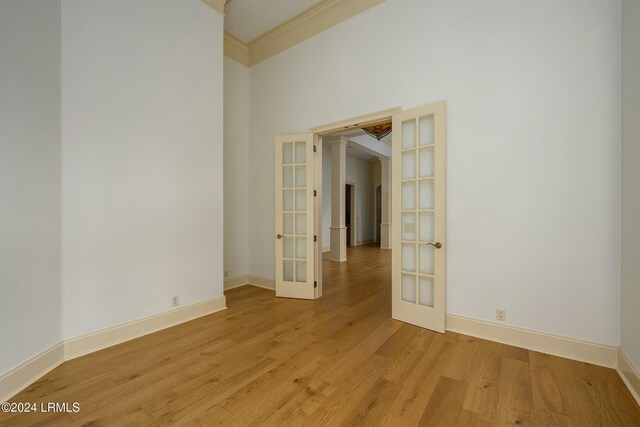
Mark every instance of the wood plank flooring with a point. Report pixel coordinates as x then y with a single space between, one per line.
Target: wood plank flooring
337 361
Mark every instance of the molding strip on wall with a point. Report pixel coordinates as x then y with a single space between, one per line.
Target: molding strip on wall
311 22
28 372
88 343
25 374
583 351
630 374
217 5
249 279
235 49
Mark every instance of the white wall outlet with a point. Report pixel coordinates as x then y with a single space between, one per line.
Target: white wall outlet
501 314
175 301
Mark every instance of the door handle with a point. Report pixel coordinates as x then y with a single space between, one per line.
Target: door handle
279 236
437 245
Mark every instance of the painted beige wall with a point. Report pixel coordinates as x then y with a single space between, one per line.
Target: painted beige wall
236 168
631 180
29 179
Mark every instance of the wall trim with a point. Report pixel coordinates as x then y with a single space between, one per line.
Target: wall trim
583 351
236 281
364 242
326 249
235 49
29 371
629 373
262 282
94 341
309 23
354 122
217 5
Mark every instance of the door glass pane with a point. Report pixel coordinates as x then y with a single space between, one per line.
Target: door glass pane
409 195
287 270
426 194
409 164
426 162
301 152
287 153
301 176
301 271
409 257
426 259
301 200
287 176
301 224
426 227
408 226
409 133
426 130
287 247
425 291
301 248
287 224
287 200
408 288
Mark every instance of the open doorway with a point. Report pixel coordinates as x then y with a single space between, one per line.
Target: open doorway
350 218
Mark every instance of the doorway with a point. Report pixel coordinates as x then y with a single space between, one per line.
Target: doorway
350 217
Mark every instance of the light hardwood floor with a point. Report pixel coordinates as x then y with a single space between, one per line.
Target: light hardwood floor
340 360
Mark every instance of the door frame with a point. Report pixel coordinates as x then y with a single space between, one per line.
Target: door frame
318 133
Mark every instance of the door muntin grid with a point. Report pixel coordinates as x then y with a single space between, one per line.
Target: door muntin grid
294 212
417 208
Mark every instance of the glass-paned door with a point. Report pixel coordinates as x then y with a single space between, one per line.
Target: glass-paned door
418 183
294 209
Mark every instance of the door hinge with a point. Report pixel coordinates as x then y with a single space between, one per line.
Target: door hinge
314 149
315 193
315 238
315 283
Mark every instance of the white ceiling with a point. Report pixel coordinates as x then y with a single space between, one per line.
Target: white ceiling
248 19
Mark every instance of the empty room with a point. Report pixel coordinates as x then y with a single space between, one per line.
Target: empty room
320 212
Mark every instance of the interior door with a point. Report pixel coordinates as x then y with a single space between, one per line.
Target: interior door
418 207
294 240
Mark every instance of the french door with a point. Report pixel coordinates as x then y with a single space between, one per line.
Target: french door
418 213
294 211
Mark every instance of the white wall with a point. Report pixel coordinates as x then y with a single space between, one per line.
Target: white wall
631 179
533 154
29 178
357 172
142 191
236 168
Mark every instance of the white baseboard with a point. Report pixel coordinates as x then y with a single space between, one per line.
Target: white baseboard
262 282
236 281
584 351
630 374
365 242
88 343
326 249
29 371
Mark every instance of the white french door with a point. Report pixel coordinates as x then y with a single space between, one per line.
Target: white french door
294 212
418 202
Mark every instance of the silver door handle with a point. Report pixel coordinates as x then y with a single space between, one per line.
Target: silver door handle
437 245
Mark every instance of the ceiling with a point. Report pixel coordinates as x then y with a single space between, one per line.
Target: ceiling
248 19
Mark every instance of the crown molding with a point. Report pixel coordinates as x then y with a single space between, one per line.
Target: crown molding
217 5
235 49
301 27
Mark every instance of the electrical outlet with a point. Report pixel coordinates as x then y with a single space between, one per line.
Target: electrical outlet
501 314
175 301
